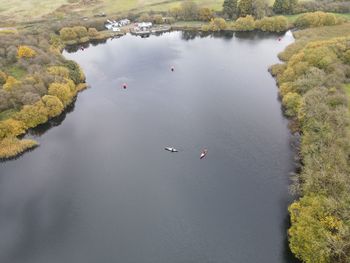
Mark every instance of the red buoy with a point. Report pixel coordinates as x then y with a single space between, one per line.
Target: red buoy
125 86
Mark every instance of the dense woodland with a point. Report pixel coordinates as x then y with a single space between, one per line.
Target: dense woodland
312 86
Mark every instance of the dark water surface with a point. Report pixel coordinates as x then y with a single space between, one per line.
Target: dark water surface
101 188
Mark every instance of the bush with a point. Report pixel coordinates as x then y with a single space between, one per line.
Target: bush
11 82
205 14
216 24
32 115
80 31
272 24
67 34
3 77
61 91
244 24
292 102
25 52
53 105
316 19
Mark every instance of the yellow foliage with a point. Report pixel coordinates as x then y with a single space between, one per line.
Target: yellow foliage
59 71
25 52
11 82
62 91
33 115
11 127
11 146
53 105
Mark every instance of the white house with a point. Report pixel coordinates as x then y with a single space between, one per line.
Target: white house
144 26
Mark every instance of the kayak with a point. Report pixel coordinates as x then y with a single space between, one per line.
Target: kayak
203 153
171 149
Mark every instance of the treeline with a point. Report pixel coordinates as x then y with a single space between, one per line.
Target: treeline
248 23
311 85
36 84
80 34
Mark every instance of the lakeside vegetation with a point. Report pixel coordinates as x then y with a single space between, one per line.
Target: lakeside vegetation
313 85
37 84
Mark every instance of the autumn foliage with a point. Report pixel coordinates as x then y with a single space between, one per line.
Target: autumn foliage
26 52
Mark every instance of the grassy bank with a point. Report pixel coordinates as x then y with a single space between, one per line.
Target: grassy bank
314 85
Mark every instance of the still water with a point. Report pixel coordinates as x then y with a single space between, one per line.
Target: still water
101 187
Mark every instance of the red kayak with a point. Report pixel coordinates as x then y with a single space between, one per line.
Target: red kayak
203 153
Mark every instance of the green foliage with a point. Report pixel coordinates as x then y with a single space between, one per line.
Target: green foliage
260 8
216 24
230 9
245 7
317 230
189 10
244 24
291 101
311 86
272 24
284 6
68 33
3 77
205 14
75 73
317 19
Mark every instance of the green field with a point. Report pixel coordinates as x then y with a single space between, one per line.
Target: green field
22 10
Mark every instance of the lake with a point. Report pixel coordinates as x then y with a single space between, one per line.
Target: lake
101 187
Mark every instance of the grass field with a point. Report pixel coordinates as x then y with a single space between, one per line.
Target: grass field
21 10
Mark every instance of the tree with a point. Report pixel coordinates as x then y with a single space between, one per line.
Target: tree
245 23
61 91
205 14
145 17
259 8
11 82
68 33
229 8
189 10
245 7
216 24
284 6
3 77
53 104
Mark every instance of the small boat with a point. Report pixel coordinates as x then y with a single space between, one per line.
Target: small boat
203 153
171 149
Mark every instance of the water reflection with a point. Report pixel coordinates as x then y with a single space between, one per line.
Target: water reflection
101 188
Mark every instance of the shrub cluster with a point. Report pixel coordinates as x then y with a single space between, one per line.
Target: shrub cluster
311 85
36 84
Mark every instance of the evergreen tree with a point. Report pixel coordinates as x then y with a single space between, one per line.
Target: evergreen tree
245 7
229 8
284 6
